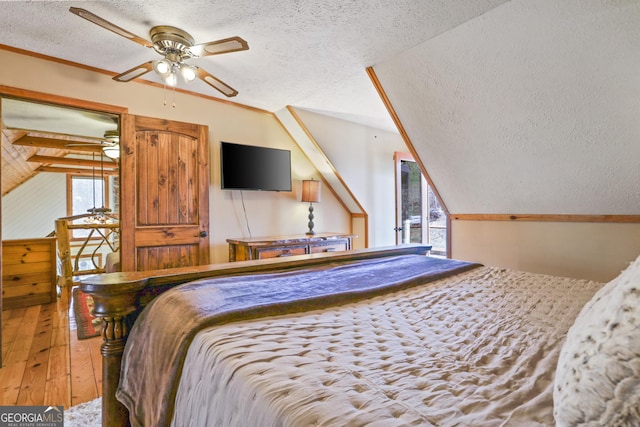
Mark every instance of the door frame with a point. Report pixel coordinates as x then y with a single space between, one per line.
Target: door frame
398 158
46 98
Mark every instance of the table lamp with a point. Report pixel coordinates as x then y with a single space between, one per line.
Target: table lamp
311 193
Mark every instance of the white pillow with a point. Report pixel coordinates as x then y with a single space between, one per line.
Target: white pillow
597 380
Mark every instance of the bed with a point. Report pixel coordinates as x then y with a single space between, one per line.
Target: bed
377 337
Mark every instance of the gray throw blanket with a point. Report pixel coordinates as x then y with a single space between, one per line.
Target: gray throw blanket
159 340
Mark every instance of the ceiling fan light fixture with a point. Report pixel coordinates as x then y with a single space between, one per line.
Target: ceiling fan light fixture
188 72
162 67
113 152
171 79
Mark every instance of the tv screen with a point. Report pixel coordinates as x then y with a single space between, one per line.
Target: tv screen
248 167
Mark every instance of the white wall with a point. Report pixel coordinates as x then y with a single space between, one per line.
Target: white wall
596 251
363 157
31 209
269 213
531 108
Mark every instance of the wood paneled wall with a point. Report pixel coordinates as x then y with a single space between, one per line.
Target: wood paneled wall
28 272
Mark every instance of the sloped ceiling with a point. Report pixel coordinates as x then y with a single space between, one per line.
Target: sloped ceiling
521 106
532 108
76 133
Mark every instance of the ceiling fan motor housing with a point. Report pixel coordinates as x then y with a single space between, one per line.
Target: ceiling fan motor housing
168 40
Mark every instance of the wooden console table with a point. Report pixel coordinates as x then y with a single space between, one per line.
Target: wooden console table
282 246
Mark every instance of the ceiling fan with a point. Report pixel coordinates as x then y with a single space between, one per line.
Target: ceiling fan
110 144
176 46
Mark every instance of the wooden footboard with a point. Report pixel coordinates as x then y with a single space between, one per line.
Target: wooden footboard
119 297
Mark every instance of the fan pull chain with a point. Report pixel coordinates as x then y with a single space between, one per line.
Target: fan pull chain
174 97
164 94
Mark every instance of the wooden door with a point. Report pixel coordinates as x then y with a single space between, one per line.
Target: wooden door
164 211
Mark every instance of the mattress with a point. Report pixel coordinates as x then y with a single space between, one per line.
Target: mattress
476 349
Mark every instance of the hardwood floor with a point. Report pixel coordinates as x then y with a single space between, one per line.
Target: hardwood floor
43 362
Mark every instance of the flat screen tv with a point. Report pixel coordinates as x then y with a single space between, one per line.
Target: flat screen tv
249 167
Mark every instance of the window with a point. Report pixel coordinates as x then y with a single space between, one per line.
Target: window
83 194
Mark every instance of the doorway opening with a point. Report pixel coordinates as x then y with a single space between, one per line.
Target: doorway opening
419 215
48 148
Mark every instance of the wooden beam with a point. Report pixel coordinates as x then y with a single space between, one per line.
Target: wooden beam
76 171
61 144
71 161
547 218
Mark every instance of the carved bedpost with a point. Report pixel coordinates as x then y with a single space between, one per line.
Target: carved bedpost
113 303
114 334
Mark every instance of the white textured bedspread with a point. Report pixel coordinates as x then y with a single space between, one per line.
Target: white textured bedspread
479 348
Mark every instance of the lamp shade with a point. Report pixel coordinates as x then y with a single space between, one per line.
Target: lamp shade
311 191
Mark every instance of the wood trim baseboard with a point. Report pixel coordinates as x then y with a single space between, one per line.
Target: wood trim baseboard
547 218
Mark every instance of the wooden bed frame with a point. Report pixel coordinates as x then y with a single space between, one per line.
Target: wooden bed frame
119 297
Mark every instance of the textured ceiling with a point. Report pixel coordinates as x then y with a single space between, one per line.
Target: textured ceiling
532 108
309 54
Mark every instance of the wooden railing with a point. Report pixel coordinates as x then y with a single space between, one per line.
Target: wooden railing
103 231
